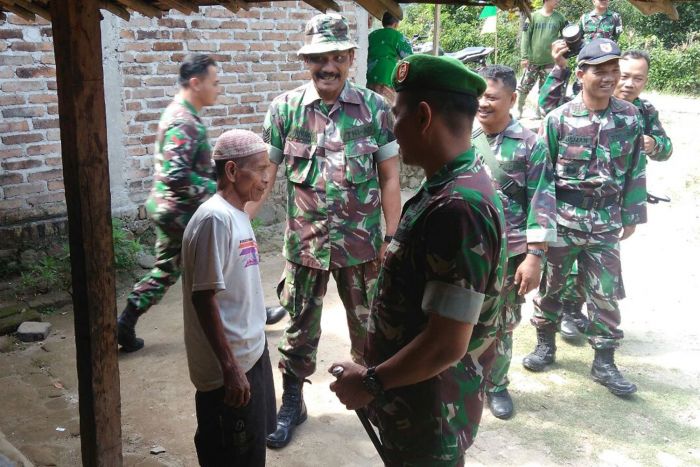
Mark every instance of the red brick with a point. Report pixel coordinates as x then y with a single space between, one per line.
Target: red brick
132 82
21 164
43 98
246 36
186 34
158 103
156 34
205 24
51 148
51 85
137 70
220 57
304 75
253 13
252 119
126 34
24 189
16 60
6 100
13 127
262 25
218 35
53 161
172 23
273 36
44 123
8 153
22 138
148 139
32 111
225 121
202 46
262 46
143 93
239 88
136 151
214 111
10 179
275 14
31 46
53 174
11 205
52 109
161 46
234 24
35 72
240 109
47 32
48 198
251 98
235 46
168 69
135 47
11 34
150 58
147 116
48 59
133 106
55 185
264 67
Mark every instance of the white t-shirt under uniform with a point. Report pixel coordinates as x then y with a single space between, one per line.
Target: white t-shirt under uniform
219 252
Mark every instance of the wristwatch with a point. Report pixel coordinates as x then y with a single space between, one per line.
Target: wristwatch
388 238
537 252
371 382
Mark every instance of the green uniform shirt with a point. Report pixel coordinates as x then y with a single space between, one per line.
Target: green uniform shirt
538 35
386 47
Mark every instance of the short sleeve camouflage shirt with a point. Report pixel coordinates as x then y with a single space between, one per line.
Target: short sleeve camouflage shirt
183 176
330 160
525 159
605 26
447 257
599 155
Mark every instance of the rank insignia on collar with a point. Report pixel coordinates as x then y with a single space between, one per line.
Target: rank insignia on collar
402 72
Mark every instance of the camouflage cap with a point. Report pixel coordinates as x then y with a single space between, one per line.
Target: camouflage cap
421 71
326 33
598 51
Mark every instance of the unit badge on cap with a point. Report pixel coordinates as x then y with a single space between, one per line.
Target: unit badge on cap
607 48
402 72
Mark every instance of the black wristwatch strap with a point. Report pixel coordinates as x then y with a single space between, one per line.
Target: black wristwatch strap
536 251
372 383
388 238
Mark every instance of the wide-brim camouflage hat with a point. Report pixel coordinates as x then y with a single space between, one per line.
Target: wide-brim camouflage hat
326 33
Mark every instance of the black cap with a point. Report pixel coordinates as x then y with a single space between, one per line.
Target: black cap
599 51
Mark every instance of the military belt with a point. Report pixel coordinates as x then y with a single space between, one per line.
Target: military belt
578 199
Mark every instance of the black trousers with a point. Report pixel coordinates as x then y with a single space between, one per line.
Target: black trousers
228 436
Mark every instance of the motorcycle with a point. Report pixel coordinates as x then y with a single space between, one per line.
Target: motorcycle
475 55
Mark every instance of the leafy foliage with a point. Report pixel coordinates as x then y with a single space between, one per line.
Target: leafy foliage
674 46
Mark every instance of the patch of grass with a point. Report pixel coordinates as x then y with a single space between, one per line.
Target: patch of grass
126 249
577 421
256 224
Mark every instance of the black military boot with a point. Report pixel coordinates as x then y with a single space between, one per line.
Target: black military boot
274 314
126 329
500 404
291 414
573 322
544 352
605 372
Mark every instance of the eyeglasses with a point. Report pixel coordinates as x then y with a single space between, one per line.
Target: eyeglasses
322 59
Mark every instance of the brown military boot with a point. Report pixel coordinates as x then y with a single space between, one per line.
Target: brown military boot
544 352
292 412
605 372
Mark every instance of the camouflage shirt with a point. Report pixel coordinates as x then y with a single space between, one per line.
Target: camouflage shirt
595 26
599 155
331 156
524 158
184 176
553 94
447 257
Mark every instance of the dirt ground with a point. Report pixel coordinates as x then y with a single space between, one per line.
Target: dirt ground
562 417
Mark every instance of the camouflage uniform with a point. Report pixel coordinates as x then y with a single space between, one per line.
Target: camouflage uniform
183 179
333 209
526 161
605 26
532 75
552 96
598 159
447 256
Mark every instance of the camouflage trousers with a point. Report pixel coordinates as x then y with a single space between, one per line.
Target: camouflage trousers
598 257
301 291
510 317
532 75
166 271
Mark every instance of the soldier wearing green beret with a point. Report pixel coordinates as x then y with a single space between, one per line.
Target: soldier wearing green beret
439 285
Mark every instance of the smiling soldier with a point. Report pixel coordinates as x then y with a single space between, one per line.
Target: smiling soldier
339 153
596 144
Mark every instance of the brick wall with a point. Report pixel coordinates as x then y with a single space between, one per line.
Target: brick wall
256 51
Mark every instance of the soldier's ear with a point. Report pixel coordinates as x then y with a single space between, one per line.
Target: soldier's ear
424 116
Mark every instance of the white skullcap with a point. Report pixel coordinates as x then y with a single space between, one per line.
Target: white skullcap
234 144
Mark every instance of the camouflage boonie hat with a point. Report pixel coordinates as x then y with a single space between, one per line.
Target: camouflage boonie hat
326 33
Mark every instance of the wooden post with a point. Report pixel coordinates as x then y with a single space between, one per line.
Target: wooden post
81 104
436 30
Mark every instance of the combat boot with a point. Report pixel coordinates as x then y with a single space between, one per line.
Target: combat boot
292 412
500 404
605 372
126 329
573 322
544 352
274 314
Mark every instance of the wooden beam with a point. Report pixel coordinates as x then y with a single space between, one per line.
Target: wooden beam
373 7
34 8
184 6
142 7
236 5
18 10
115 9
323 5
392 7
81 105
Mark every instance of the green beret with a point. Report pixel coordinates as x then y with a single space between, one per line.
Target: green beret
422 71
